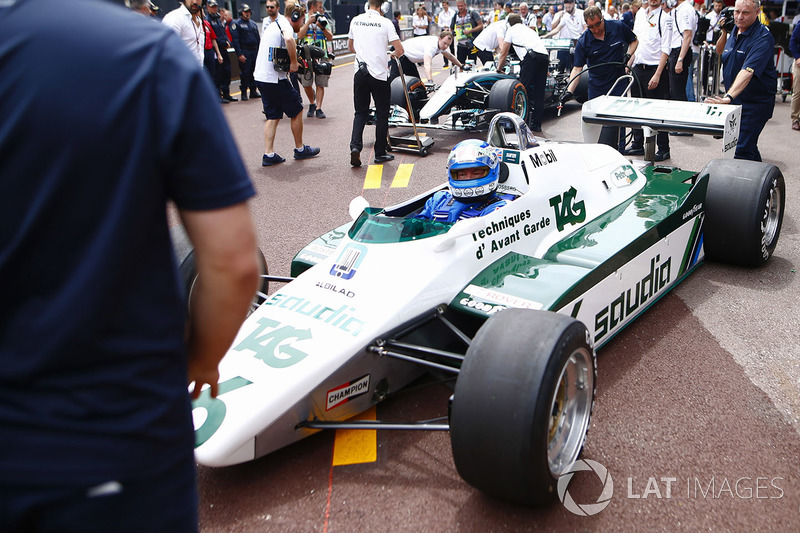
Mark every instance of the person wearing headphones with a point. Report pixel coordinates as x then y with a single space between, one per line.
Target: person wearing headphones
473 172
277 94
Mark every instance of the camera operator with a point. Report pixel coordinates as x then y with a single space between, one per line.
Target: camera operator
277 94
748 72
370 36
316 31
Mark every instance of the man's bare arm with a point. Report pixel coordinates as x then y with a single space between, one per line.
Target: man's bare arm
227 266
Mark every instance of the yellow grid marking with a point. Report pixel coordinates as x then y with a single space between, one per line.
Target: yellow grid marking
355 446
373 179
402 175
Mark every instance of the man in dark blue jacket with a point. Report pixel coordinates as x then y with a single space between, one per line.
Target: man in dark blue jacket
605 48
222 74
246 39
748 72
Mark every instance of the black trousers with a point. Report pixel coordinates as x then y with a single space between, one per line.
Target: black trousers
247 69
485 56
210 64
677 82
452 51
364 87
643 73
464 51
409 68
222 77
533 74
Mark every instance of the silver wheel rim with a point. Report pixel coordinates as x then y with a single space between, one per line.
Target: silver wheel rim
773 215
519 104
570 410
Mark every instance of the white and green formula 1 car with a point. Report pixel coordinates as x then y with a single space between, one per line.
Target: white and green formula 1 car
513 303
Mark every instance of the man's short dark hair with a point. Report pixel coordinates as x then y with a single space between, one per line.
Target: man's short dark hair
397 14
592 12
514 19
375 3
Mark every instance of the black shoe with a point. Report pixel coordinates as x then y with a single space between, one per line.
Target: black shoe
224 101
355 157
385 158
244 95
535 127
681 134
661 155
267 161
228 97
312 108
254 93
634 150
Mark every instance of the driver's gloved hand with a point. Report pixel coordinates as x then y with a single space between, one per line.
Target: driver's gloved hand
566 97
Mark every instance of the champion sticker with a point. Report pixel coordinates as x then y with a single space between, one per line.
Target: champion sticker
344 393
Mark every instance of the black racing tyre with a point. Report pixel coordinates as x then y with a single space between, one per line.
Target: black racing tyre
416 93
522 404
509 95
582 91
744 211
187 270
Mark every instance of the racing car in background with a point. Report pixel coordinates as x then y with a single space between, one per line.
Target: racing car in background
468 100
513 303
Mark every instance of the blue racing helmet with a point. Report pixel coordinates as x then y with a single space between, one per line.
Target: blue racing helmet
473 153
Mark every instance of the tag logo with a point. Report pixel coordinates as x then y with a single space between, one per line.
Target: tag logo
566 210
276 347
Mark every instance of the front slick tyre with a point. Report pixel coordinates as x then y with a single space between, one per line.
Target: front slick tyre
522 404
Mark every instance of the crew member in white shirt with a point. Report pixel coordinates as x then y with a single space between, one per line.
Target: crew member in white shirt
423 50
568 23
533 67
370 36
187 23
490 40
652 27
684 25
445 20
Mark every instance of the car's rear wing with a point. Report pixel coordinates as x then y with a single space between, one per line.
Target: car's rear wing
652 116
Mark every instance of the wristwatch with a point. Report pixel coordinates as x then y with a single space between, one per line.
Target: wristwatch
728 95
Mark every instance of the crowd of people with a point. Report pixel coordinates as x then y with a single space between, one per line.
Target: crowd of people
669 34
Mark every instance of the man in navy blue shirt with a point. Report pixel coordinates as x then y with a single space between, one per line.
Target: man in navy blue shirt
246 39
95 419
748 72
606 47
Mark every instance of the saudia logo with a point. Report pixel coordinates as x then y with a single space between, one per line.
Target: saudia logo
629 300
339 317
567 210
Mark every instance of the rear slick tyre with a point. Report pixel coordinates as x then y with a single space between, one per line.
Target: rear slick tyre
744 207
522 404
